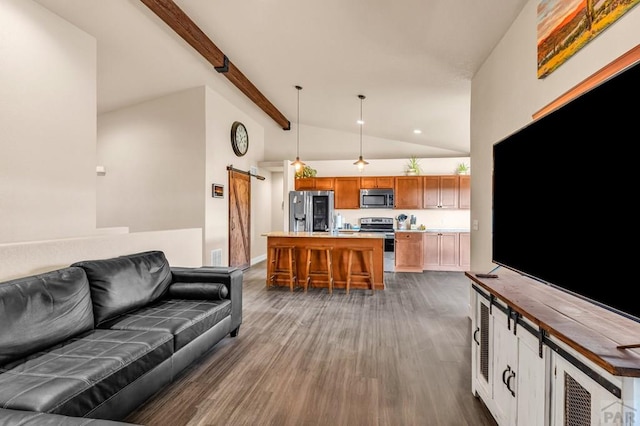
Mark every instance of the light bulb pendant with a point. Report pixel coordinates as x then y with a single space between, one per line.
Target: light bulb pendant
361 163
298 165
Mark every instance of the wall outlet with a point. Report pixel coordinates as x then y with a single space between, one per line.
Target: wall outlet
474 224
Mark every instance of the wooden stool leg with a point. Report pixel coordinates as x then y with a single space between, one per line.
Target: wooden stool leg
307 277
329 270
271 267
290 269
349 271
371 271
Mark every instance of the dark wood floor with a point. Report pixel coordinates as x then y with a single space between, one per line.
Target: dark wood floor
399 357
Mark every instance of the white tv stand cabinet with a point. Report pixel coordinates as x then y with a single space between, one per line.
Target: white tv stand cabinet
541 356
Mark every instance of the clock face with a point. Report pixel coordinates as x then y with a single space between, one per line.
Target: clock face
239 139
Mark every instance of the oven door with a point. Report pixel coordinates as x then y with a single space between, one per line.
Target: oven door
389 252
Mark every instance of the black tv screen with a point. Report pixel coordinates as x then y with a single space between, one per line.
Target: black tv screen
565 189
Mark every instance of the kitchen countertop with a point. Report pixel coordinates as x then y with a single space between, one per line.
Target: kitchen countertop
348 234
434 230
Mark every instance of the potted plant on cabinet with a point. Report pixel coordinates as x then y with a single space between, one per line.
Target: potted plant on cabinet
413 166
462 169
306 172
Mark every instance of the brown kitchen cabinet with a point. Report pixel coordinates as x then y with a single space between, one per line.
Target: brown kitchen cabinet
408 192
314 184
440 192
346 192
441 251
408 251
464 197
371 182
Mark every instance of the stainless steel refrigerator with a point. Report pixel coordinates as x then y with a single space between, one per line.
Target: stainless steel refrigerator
311 211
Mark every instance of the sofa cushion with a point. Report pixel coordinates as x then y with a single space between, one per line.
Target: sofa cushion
73 378
42 310
201 291
125 283
185 319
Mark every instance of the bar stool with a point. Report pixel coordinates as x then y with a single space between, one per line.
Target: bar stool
327 251
289 271
367 272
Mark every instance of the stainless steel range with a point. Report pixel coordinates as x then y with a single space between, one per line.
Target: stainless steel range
385 225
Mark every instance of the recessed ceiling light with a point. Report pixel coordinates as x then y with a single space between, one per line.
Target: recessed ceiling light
417 131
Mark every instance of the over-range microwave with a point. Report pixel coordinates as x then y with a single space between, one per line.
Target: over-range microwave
376 198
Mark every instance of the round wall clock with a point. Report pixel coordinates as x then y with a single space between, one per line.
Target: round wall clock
239 138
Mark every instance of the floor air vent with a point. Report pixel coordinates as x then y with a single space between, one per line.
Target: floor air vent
216 257
577 403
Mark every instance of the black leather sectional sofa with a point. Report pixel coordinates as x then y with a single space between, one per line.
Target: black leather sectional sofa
87 344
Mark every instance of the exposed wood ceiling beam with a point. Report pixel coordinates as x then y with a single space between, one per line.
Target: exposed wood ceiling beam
180 22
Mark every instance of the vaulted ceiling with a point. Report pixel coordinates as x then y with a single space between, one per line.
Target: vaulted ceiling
413 59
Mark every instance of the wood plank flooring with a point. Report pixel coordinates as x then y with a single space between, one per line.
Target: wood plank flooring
399 357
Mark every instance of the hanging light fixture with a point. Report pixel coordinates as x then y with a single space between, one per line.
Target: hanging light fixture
361 163
298 165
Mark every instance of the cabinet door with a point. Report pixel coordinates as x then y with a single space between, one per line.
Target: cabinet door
464 198
481 349
368 182
347 193
408 248
464 251
531 407
448 250
384 182
408 192
324 184
431 192
440 192
431 249
449 192
304 184
577 399
505 366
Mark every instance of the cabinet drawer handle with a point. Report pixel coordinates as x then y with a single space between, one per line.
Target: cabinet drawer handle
475 334
504 373
512 376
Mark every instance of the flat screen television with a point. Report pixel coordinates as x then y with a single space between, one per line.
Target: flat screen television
565 189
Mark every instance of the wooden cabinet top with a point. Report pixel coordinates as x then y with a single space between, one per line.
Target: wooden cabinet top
591 330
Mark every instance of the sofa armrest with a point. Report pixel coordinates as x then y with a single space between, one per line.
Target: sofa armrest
230 277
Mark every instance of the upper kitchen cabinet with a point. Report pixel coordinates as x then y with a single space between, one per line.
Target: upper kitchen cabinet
464 198
408 192
347 192
314 184
372 182
440 192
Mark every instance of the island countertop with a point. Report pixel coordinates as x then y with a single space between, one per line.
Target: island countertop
340 242
354 234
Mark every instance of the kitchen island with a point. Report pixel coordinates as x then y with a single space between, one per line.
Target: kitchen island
341 242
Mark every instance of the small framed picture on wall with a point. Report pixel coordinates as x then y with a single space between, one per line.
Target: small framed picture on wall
217 190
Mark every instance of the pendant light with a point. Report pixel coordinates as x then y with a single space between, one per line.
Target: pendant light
298 165
361 163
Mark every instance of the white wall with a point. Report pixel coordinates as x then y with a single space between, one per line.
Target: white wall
47 125
506 92
182 247
325 144
154 154
220 115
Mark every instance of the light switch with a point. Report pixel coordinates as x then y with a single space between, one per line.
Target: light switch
474 224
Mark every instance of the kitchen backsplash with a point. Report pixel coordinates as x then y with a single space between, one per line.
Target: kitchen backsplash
431 218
